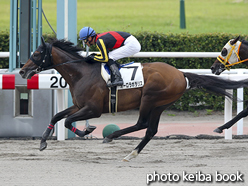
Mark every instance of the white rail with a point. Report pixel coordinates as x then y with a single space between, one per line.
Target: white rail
234 74
4 54
171 54
178 54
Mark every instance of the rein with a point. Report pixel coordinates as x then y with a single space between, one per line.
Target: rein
225 61
50 67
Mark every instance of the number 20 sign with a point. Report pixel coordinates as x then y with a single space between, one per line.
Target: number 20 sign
47 81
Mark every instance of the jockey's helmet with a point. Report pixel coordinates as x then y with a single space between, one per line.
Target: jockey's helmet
86 32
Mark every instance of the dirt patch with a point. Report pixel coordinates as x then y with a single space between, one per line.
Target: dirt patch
90 162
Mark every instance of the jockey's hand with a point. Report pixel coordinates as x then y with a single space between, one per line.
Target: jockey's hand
90 58
95 54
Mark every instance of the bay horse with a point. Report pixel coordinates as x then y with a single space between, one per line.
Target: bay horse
163 85
233 53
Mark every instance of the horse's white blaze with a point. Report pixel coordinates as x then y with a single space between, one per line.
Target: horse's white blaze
130 156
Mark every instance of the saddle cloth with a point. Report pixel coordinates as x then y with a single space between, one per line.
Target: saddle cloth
131 74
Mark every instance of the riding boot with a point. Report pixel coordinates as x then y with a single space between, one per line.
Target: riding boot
118 81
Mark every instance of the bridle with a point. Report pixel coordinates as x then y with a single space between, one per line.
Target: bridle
235 49
46 59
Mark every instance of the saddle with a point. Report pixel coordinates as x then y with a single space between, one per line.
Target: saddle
131 74
132 77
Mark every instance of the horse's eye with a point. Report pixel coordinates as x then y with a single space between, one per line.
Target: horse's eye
224 52
36 54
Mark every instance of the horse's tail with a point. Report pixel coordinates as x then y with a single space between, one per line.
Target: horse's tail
214 84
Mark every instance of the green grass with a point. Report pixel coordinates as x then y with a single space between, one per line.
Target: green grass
202 16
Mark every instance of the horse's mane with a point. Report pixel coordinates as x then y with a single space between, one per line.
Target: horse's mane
245 42
67 46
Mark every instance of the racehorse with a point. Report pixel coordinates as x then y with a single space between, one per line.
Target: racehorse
163 85
234 52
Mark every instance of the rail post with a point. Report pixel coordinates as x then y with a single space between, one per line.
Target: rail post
182 15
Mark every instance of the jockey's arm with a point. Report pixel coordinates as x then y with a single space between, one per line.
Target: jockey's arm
103 57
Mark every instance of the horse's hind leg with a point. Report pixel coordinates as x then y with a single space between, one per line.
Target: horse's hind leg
230 123
150 132
54 120
141 124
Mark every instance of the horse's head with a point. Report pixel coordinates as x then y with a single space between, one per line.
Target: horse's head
228 57
39 60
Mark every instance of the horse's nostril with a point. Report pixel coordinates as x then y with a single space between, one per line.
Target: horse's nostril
21 72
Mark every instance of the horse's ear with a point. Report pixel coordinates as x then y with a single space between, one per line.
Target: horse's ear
43 41
234 40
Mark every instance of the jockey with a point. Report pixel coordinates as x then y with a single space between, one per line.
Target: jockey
124 45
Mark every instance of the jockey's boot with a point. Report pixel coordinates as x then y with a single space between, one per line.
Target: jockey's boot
118 81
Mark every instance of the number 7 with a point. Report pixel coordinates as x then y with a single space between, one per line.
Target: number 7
134 71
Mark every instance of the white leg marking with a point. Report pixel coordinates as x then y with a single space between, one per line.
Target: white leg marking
130 156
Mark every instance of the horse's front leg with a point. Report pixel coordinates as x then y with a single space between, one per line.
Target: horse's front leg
55 119
230 123
82 114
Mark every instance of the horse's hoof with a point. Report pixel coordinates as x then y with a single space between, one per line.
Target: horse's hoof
107 140
218 130
130 156
87 131
125 160
90 128
43 145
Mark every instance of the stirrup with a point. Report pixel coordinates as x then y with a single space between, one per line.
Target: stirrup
114 83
